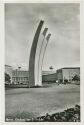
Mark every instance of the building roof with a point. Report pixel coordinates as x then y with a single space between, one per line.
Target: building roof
8 66
48 72
71 68
68 68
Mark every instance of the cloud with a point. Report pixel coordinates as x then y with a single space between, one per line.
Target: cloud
63 21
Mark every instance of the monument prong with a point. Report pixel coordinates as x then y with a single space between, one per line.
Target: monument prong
45 31
48 37
32 55
43 49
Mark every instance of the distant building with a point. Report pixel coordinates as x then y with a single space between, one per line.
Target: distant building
67 73
8 70
49 77
20 77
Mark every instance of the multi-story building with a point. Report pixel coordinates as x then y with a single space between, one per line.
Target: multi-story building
49 76
67 73
20 77
8 70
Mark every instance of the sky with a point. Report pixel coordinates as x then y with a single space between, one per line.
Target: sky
63 22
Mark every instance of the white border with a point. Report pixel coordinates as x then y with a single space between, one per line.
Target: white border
2 45
82 58
40 1
2 95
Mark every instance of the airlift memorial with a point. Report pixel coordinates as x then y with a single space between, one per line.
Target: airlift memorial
48 90
37 53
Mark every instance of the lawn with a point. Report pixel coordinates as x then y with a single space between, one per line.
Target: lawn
32 102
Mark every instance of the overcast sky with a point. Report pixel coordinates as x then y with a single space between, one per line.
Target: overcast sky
63 22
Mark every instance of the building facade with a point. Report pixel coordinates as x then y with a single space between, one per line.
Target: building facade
67 73
8 70
20 77
49 78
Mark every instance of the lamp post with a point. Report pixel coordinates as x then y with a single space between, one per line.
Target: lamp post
19 67
18 74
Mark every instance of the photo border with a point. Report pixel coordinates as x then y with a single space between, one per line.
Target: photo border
2 61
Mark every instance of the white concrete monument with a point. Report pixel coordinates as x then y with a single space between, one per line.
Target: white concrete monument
37 55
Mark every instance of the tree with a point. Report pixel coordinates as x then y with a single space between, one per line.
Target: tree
76 78
7 77
65 81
